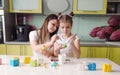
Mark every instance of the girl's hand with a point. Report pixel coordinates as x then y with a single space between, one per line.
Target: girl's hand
72 39
57 46
53 39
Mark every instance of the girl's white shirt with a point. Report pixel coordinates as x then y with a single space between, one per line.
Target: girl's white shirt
33 36
67 50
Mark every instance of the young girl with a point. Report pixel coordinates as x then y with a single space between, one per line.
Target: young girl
68 43
42 40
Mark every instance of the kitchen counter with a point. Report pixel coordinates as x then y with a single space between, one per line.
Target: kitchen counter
69 68
15 42
113 43
93 44
82 43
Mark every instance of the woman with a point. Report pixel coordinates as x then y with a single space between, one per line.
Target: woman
68 43
42 40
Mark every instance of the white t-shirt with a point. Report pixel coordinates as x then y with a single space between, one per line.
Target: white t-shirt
33 35
67 50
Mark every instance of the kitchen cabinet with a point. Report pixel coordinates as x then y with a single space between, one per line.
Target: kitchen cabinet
24 50
100 52
13 49
114 54
28 50
90 7
25 6
2 49
94 52
84 51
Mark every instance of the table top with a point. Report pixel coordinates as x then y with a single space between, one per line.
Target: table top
69 68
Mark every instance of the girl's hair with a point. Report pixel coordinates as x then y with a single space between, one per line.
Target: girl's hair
44 29
66 18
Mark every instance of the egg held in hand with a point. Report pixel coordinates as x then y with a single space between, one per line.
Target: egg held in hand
44 47
64 46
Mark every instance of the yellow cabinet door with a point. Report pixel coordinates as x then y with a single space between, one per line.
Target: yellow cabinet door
22 50
25 6
26 50
89 7
13 49
2 49
29 50
84 52
100 52
94 52
115 54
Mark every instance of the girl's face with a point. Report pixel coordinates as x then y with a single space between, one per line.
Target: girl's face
65 28
52 25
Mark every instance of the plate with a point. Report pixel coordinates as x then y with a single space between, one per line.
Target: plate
57 5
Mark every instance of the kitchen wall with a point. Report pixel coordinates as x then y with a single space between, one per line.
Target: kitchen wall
82 25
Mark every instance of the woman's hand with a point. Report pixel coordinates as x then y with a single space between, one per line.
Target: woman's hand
53 39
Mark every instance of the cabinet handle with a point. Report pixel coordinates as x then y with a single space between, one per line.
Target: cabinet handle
90 11
25 10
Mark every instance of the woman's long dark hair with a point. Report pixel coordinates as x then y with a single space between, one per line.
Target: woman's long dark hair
44 30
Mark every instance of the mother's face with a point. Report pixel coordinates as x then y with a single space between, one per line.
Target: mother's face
52 25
